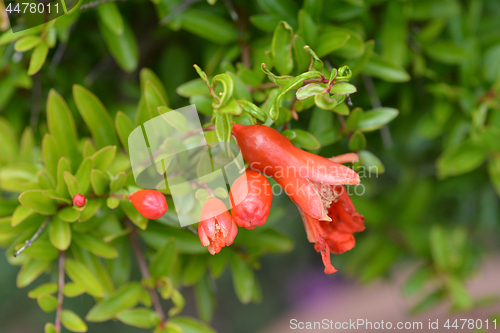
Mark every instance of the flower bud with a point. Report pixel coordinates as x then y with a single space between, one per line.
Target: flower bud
216 228
251 209
79 200
149 203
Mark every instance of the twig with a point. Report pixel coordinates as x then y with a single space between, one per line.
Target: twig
375 100
96 3
60 295
145 274
29 242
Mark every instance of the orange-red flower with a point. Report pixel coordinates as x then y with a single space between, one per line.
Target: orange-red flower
150 203
312 182
79 200
253 200
216 228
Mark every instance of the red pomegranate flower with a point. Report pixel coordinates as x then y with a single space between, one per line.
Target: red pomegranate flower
312 183
150 203
253 206
79 200
216 228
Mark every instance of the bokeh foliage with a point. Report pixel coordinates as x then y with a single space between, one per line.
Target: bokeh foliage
436 61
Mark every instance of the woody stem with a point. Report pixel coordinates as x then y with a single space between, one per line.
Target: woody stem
145 275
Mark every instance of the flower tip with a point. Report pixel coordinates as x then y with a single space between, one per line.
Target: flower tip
149 203
330 270
237 127
79 200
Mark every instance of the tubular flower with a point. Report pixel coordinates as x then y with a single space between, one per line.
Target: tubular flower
312 183
149 203
216 228
253 206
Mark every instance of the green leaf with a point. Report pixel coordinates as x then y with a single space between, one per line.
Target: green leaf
44 289
330 41
462 300
72 289
38 58
193 88
122 299
369 161
61 187
191 325
95 116
358 64
47 303
252 110
44 179
59 233
208 26
51 154
460 159
31 269
240 90
72 183
353 120
8 137
142 317
134 215
385 69
153 99
111 17
26 43
493 172
81 274
281 48
72 321
267 240
228 88
20 214
376 118
309 90
176 120
62 127
305 140
325 101
417 280
95 245
36 201
440 248
69 214
205 299
429 302
124 126
357 141
163 260
343 88
122 47
99 181
103 158
353 48
195 269
41 250
148 75
243 278
301 57
118 181
308 27
50 328
222 127
83 175
112 202
447 52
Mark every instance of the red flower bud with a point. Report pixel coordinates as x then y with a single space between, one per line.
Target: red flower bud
149 203
253 206
79 200
216 228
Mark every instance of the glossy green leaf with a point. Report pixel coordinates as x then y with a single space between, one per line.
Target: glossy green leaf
47 303
460 159
222 127
36 201
72 289
195 269
81 274
62 127
330 41
376 118
253 110
177 121
9 147
357 141
124 126
281 48
26 43
51 154
163 260
141 317
72 183
95 116
191 325
41 250
205 299
343 88
111 17
309 90
301 57
243 278
31 269
72 321
148 75
103 158
99 181
325 101
153 99
83 175
370 161
358 64
118 181
69 214
305 140
308 27
95 245
59 233
447 52
124 298
50 328
134 215
20 214
61 187
123 48
386 70
208 26
44 289
38 58
112 202
192 88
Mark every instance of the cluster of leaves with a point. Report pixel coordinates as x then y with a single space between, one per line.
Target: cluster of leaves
436 205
